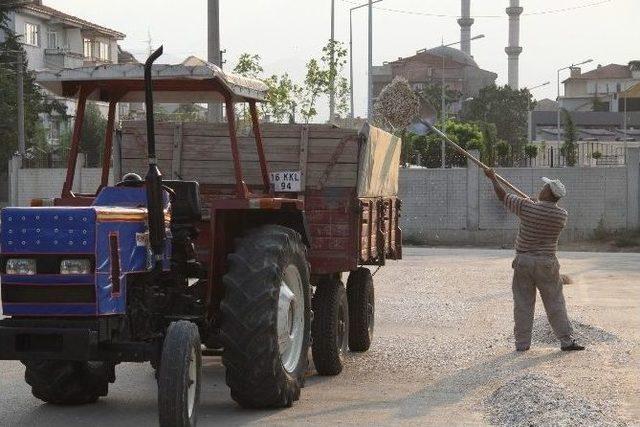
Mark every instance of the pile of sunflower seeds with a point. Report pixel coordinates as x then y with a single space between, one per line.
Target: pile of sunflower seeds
397 105
535 400
584 333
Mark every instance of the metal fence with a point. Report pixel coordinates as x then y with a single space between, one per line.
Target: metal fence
57 159
549 154
585 154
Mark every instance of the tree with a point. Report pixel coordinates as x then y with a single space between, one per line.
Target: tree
490 139
94 127
35 100
319 78
503 150
505 107
634 65
280 104
569 148
467 135
249 66
531 151
431 97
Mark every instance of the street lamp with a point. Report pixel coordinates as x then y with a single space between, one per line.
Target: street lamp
558 99
351 48
443 106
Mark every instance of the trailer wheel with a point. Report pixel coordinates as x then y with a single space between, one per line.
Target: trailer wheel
68 382
179 375
361 309
266 323
330 326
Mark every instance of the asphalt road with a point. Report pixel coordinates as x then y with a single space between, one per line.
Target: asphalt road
443 344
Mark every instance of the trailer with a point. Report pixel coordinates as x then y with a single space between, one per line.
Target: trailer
239 247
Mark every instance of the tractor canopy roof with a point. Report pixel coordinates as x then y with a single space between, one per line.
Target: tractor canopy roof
181 83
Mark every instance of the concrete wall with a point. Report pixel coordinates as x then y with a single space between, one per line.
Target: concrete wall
458 206
28 184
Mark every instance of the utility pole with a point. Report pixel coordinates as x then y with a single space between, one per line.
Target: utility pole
332 68
351 49
370 64
214 53
20 79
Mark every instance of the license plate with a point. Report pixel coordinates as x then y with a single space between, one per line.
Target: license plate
286 181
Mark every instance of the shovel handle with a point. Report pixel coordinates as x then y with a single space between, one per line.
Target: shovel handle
474 159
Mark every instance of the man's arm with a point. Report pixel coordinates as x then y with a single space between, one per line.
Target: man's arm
497 187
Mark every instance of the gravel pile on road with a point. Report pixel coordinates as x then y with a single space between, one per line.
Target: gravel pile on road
584 333
535 400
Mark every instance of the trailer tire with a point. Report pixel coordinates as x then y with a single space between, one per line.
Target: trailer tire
361 297
330 326
266 318
179 376
68 382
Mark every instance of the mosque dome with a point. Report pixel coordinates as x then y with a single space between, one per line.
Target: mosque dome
453 54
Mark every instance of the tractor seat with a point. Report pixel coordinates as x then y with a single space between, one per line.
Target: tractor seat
185 206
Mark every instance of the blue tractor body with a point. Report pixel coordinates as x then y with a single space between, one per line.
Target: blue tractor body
110 239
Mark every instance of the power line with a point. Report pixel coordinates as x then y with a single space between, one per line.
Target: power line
444 15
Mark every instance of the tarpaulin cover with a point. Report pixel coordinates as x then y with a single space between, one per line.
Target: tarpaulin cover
379 163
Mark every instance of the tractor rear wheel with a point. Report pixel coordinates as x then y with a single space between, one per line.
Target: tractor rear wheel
361 309
266 317
68 382
330 326
179 375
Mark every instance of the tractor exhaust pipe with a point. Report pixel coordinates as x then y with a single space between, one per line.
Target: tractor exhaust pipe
153 180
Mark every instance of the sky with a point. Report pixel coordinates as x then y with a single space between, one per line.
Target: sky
287 33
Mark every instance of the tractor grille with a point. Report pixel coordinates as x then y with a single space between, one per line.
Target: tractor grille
48 294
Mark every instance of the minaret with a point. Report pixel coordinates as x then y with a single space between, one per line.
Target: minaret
514 50
465 23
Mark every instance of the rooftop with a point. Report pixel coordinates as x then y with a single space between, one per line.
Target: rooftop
611 71
36 7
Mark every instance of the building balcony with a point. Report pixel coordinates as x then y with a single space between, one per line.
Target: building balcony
95 62
59 58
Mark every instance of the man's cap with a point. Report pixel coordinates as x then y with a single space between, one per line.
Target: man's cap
557 187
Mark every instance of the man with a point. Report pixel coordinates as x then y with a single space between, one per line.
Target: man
536 265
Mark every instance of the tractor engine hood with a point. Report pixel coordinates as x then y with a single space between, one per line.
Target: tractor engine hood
114 240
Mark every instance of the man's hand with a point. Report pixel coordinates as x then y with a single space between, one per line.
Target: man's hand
500 193
490 173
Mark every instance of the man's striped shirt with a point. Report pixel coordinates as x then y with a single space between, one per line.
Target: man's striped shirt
540 224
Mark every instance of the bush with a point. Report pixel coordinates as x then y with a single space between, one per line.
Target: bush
596 155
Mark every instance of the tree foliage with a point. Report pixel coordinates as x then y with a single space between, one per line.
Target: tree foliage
569 148
280 103
280 99
94 127
36 101
467 135
431 97
506 108
320 76
249 66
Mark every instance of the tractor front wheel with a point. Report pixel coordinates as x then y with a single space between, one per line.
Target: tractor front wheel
266 318
179 376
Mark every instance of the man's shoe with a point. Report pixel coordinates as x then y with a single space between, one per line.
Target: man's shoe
522 348
572 347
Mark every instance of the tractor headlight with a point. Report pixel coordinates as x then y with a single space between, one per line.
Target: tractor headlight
75 266
21 266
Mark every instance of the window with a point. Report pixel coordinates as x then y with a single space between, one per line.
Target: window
31 34
52 40
88 52
103 51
